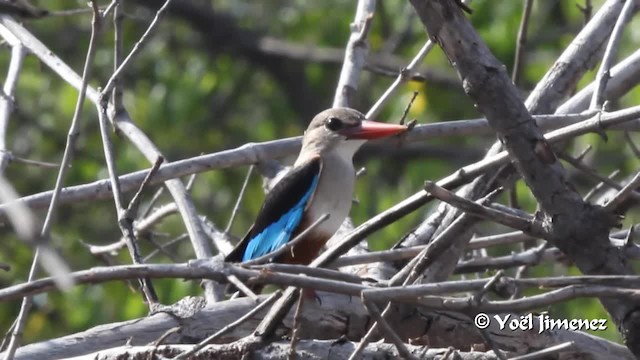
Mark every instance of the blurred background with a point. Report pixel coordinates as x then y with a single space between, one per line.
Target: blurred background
220 73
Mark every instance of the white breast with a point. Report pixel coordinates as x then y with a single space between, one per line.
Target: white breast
334 193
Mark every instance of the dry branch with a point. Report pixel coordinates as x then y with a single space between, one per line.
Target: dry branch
578 229
312 350
337 316
434 313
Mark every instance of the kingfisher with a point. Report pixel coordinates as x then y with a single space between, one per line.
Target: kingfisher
320 182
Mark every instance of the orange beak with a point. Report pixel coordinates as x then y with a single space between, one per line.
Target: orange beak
369 130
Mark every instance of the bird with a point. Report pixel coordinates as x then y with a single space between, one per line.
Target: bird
320 182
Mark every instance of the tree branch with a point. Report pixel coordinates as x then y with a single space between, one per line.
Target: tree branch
580 230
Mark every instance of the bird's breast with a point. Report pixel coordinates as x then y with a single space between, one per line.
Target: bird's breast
333 196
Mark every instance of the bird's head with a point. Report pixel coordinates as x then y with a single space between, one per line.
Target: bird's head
344 130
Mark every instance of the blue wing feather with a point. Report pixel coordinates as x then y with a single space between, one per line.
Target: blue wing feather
279 233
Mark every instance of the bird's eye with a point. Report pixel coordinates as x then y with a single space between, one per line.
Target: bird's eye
333 124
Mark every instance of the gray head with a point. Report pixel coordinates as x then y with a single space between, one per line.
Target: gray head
343 130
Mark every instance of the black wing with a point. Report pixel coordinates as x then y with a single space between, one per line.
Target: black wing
294 190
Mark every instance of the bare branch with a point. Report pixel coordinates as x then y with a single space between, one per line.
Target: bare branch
518 61
193 351
312 350
610 52
391 334
403 77
136 49
18 54
64 165
528 225
237 205
626 191
125 221
543 354
577 58
355 54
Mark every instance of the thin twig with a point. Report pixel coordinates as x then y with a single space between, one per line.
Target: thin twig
632 144
109 8
269 323
140 229
124 221
230 327
118 38
510 238
134 204
5 338
530 257
406 109
623 194
477 298
466 304
190 182
162 248
122 122
609 54
518 62
488 286
355 54
403 77
587 10
584 152
234 212
629 239
64 165
546 353
193 223
592 172
295 334
412 271
25 225
522 271
144 224
12 158
196 270
416 267
324 273
164 337
246 154
152 202
528 225
72 135
242 287
391 334
136 48
18 53
600 185
79 11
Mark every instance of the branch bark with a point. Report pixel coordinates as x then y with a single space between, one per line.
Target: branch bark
312 350
579 229
337 316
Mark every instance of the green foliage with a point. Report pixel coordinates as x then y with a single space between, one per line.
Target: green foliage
191 98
